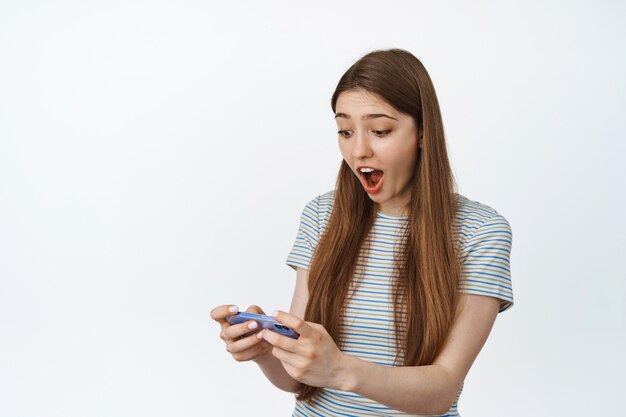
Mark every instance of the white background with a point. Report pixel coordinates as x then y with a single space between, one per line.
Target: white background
155 158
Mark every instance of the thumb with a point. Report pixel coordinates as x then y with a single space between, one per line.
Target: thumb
255 309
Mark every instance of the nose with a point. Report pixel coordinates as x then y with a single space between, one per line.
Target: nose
361 147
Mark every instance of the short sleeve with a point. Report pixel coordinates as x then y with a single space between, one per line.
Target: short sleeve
307 238
486 262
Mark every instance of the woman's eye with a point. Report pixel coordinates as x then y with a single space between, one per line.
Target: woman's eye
381 133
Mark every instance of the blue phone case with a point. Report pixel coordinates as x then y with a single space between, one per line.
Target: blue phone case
265 322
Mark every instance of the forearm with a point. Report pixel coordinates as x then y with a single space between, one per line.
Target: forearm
411 389
275 372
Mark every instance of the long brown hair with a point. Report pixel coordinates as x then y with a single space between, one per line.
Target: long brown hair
427 266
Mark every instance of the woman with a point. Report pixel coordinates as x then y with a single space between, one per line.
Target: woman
399 278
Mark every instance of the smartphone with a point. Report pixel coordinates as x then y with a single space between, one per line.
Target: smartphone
265 322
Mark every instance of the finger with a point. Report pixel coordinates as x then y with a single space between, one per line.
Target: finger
284 356
289 320
253 353
243 344
221 312
278 340
255 309
237 330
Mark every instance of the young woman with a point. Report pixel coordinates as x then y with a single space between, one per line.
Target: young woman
399 278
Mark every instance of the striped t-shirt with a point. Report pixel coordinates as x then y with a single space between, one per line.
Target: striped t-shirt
367 321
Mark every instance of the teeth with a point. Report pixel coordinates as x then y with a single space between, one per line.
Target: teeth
367 169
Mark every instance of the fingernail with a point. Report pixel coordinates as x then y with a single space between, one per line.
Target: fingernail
274 313
260 334
252 325
233 309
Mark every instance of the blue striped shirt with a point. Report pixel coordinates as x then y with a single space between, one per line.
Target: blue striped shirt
483 240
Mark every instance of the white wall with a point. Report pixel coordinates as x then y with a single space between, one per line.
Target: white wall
155 157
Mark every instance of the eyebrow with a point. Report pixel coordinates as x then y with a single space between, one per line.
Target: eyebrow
365 116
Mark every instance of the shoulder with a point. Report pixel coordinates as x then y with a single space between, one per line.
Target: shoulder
325 205
486 239
471 215
318 209
326 200
321 202
473 218
474 212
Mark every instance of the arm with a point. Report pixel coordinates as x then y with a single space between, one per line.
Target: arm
314 359
270 365
428 389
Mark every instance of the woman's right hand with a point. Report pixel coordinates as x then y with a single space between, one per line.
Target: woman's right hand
241 348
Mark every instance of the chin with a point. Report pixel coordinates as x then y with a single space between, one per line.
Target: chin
377 198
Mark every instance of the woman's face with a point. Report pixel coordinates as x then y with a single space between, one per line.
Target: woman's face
373 134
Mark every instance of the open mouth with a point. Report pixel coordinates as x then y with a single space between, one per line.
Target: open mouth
372 180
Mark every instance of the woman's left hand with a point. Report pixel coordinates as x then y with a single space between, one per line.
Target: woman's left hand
314 358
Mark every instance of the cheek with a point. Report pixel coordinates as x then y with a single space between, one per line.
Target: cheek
345 151
403 164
